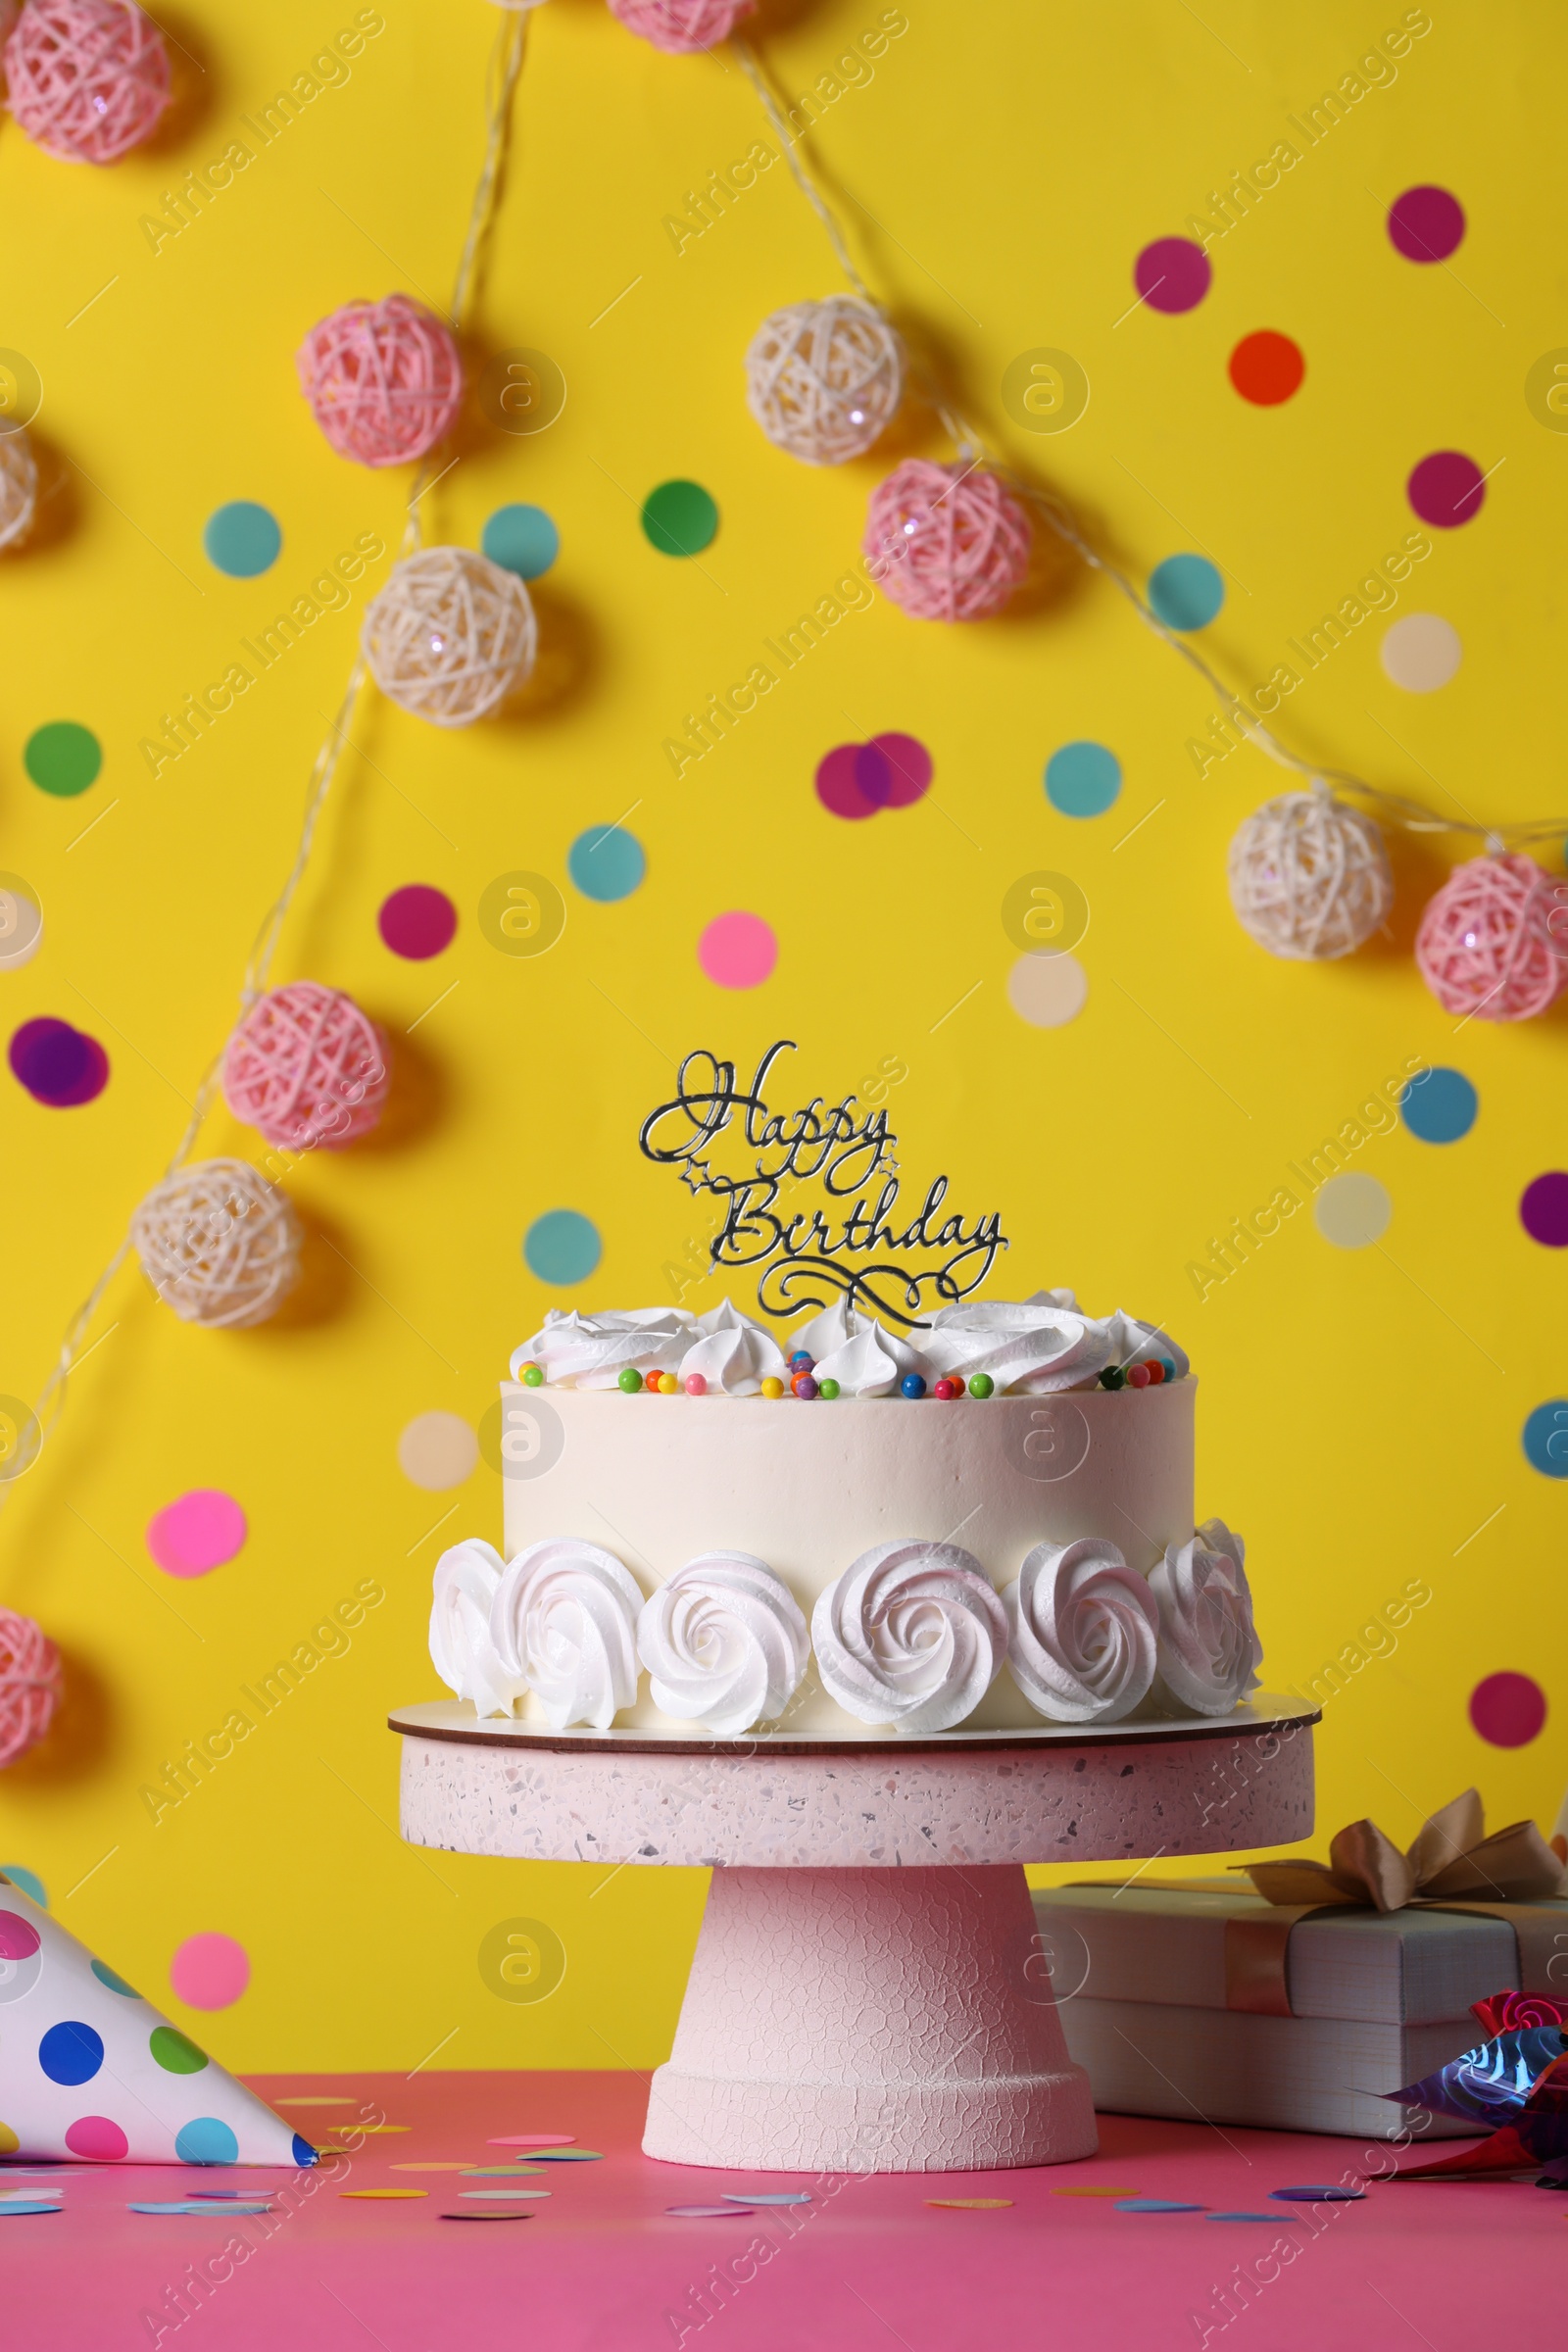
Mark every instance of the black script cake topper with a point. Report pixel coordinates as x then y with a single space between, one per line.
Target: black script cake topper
863 1248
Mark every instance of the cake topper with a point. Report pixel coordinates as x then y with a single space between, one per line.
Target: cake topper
863 1248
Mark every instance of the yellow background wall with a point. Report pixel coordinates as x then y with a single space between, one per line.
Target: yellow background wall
1360 1411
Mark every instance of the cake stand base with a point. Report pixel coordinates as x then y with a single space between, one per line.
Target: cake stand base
869 2021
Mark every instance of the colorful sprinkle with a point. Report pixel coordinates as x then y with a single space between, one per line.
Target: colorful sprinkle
630 1380
805 1388
800 1361
696 1385
947 1389
982 1385
1113 1377
1139 1375
532 1376
827 1389
911 1385
772 1388
668 1385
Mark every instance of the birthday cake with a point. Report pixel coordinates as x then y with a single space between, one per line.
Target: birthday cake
984 1522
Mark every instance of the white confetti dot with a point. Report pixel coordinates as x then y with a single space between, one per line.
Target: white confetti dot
1421 653
1048 989
437 1450
1352 1211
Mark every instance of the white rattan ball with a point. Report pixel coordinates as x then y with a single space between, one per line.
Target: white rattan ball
219 1243
450 636
823 379
1309 877
18 487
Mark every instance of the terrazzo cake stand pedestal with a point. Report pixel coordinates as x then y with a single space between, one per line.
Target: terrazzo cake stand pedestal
869 1992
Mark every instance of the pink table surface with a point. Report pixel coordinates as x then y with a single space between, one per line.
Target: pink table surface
602 2268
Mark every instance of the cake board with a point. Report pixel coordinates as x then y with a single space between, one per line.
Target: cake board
869 1991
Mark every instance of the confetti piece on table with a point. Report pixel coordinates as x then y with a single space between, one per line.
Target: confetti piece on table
487 2216
431 2167
708 2213
768 2196
10 2211
187 2208
1086 2188
969 2204
312 2098
1243 2217
368 2128
533 2140
505 2195
570 2155
489 2172
1316 2196
384 2193
1155 2205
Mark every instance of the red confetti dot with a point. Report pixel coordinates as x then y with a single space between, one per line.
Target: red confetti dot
1267 368
417 922
1507 1709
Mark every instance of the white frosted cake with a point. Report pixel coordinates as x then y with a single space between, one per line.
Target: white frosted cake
986 1524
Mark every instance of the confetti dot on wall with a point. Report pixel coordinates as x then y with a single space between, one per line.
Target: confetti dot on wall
838 783
417 922
606 863
70 2053
97 2139
561 1247
1267 368
1439 1105
520 539
60 1066
1447 489
1507 1709
1546 1438
1426 224
1082 779
1186 592
62 757
198 1533
1544 1209
1352 1211
738 950
679 518
1420 652
1172 275
437 1450
205 2141
242 539
1048 990
29 1882
894 772
210 1971
175 2052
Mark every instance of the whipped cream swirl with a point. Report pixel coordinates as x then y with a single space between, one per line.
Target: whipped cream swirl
913 1634
564 1622
871 1362
466 1580
1208 1649
1028 1351
591 1352
733 1355
724 1643
1084 1631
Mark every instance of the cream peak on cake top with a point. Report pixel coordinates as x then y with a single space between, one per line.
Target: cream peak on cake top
1032 1347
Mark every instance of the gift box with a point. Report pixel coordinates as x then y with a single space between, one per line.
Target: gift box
1209 2001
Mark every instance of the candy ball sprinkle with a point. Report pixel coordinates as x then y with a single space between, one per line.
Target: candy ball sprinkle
911 1385
982 1385
696 1385
805 1388
772 1388
628 1380
1139 1375
532 1376
828 1389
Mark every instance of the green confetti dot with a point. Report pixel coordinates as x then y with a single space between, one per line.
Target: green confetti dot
679 518
175 2052
62 757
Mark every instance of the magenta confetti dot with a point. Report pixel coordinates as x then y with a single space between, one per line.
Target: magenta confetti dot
1507 1709
738 950
1172 275
1447 489
19 1937
210 1971
60 1066
1544 1209
838 783
904 770
1426 224
417 922
196 1533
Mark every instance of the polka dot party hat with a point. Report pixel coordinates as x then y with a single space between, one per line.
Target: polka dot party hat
89 2069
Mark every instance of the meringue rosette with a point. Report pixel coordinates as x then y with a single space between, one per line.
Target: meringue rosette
564 1621
1208 1647
462 1651
591 1352
870 1361
912 1635
733 1355
1084 1632
724 1643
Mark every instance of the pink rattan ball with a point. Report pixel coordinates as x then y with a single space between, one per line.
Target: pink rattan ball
307 1067
30 1685
87 79
383 379
681 25
947 542
1494 939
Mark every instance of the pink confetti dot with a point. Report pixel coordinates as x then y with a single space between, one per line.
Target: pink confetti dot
417 922
198 1533
1426 224
97 2139
1447 489
210 1971
838 783
738 950
1507 1709
1172 275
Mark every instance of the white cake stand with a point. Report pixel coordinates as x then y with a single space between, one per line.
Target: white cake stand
869 1992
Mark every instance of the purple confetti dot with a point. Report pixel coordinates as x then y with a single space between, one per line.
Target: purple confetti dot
1172 275
417 922
59 1066
1426 224
1447 489
1544 1209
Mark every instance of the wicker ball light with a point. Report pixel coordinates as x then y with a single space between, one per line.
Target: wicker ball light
307 1067
219 1243
1495 940
823 379
1309 877
947 542
679 26
88 79
383 379
19 486
30 1685
450 636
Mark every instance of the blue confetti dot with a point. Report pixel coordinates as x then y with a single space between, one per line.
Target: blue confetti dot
1082 779
304 2153
606 863
1439 1105
1546 1438
71 2053
521 539
106 1975
1186 592
563 1247
242 539
205 2141
27 1879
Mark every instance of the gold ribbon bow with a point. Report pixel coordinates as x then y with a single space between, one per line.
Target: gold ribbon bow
1453 1866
